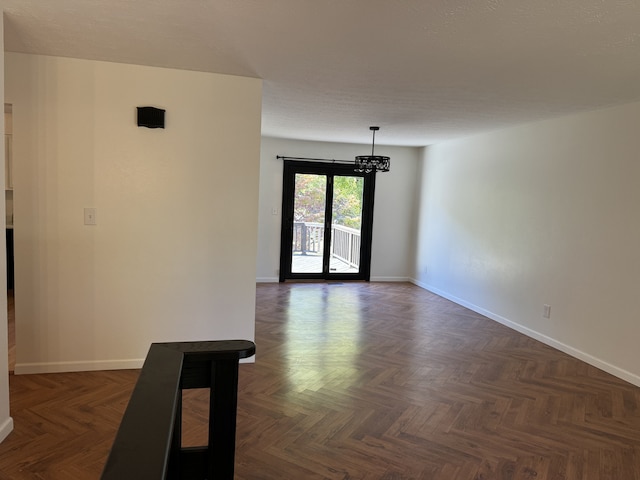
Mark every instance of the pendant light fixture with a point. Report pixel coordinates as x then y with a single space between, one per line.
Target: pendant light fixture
372 163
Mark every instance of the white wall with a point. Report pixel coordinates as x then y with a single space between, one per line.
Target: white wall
545 213
173 255
394 207
6 422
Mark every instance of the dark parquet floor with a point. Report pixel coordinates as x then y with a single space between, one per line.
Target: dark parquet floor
364 381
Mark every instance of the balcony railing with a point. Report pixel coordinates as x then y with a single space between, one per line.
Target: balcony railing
308 239
345 244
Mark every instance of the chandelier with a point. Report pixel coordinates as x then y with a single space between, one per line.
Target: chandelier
372 163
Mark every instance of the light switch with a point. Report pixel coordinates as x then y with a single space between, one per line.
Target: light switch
90 216
274 211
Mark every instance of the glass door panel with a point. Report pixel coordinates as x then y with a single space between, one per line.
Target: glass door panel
309 207
327 218
346 224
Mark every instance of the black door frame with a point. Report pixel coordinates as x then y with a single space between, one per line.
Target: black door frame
291 168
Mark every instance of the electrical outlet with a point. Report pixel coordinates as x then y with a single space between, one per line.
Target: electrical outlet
546 312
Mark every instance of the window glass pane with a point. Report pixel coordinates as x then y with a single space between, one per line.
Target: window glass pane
346 224
308 223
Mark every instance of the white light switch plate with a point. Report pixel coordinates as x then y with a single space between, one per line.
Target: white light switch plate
90 216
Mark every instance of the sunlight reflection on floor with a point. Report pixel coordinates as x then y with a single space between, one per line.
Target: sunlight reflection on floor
323 336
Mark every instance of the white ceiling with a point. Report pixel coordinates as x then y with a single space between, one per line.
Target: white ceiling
424 70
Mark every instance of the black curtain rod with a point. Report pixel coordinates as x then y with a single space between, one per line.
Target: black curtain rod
325 160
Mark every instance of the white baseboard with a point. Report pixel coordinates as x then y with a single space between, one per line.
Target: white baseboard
390 279
267 280
62 367
373 279
6 428
563 347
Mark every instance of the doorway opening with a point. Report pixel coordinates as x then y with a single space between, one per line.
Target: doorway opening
327 218
8 197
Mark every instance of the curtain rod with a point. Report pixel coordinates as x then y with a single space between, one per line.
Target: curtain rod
325 160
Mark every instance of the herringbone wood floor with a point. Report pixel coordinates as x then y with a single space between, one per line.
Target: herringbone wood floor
364 381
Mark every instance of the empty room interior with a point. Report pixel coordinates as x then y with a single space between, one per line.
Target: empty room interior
424 214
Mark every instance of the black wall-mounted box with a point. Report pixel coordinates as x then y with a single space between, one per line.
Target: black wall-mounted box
150 117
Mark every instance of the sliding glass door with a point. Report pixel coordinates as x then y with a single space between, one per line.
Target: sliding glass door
327 213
